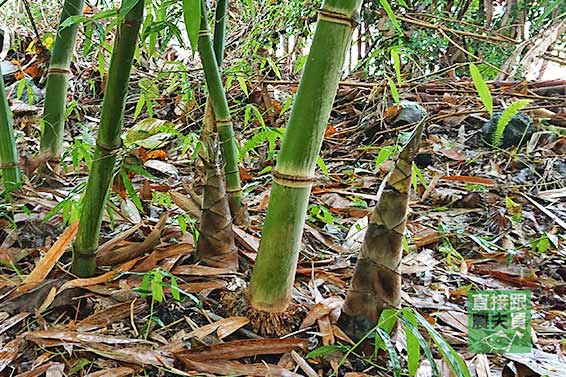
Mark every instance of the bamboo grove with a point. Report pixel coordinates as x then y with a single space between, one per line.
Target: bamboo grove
268 300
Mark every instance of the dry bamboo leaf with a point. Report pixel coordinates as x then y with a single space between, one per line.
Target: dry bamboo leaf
223 328
113 372
133 355
48 300
198 270
10 352
469 179
186 203
245 239
322 309
37 371
64 336
231 368
85 282
109 315
243 348
134 249
205 285
46 264
12 321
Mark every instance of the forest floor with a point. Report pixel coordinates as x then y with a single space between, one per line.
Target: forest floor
481 218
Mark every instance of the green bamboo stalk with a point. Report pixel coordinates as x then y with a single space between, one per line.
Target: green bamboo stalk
221 110
11 176
54 109
376 282
108 143
276 264
220 30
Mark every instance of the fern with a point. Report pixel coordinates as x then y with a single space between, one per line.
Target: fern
481 87
504 120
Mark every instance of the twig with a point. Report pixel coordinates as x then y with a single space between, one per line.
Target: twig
487 38
28 11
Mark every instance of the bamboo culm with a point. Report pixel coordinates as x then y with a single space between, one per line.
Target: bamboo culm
221 111
54 109
11 175
275 267
108 143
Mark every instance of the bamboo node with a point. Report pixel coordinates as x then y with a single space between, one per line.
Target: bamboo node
59 71
292 180
338 18
108 149
223 122
204 33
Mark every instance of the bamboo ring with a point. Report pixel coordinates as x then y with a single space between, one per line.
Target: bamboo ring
338 18
292 180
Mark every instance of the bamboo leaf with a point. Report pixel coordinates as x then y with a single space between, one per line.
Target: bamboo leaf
481 87
396 65
389 11
191 15
393 355
130 190
322 166
386 321
157 287
394 91
413 348
453 359
505 118
408 318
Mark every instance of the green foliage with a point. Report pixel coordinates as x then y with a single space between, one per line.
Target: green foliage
412 322
481 87
505 118
320 213
191 15
544 242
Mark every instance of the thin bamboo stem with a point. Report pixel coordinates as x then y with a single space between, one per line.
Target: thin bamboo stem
54 109
108 143
11 175
222 115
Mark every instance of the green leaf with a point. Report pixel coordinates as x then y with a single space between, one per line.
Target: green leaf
175 289
157 287
71 21
394 91
322 166
396 65
127 6
386 321
191 14
324 350
384 154
408 318
413 349
130 190
389 11
144 287
505 118
243 85
393 355
481 87
454 360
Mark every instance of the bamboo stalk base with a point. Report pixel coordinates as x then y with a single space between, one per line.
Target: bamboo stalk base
262 322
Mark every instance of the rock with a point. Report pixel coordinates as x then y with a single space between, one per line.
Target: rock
518 131
411 112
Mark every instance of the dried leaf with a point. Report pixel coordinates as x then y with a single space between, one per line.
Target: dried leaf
243 348
223 328
322 309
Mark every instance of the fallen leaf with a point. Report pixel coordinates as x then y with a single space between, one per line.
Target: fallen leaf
223 328
237 349
323 308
